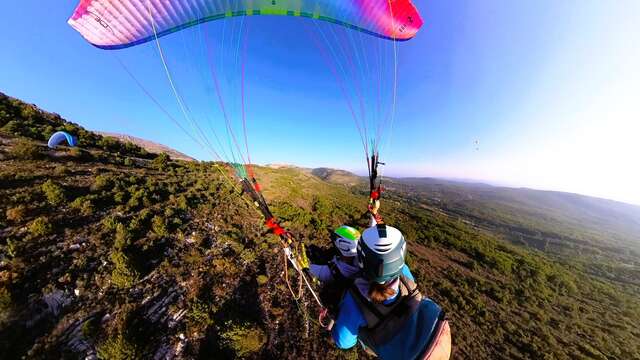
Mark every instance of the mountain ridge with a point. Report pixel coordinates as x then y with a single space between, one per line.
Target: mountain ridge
150 146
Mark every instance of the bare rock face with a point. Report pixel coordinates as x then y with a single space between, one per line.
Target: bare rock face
157 307
170 351
50 305
76 341
56 301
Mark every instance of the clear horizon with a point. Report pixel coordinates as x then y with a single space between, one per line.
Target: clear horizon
535 94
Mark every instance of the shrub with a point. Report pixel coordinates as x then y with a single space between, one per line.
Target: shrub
16 213
11 248
243 340
40 227
101 182
118 348
54 193
248 256
123 275
161 161
12 127
29 112
26 150
159 226
139 223
183 203
119 197
123 236
23 197
83 204
87 208
199 313
109 143
262 279
138 197
61 170
109 223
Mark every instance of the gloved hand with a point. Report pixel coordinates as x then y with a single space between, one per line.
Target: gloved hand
318 255
374 206
303 260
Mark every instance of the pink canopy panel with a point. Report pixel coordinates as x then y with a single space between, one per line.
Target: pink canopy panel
116 24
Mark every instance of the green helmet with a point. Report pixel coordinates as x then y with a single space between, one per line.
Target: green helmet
346 240
381 253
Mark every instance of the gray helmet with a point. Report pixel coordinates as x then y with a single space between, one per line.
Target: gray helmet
381 253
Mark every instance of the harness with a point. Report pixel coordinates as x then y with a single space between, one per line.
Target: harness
338 278
385 320
332 295
389 330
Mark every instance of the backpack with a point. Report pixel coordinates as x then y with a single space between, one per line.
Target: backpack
412 327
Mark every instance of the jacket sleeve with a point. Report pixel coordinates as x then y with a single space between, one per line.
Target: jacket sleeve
321 272
407 273
372 221
348 323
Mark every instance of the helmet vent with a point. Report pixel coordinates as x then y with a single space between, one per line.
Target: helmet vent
382 230
383 247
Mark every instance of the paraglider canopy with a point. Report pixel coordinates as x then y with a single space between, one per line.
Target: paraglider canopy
61 136
116 25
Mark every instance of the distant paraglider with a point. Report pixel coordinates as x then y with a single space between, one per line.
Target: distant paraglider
477 145
60 137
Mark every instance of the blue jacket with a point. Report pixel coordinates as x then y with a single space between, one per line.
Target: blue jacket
350 319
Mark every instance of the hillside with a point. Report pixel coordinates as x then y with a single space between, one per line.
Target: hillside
338 176
109 251
601 236
150 146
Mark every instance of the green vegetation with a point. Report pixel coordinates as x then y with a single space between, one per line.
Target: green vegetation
54 193
243 340
25 149
118 348
40 227
84 205
164 253
159 226
199 313
123 275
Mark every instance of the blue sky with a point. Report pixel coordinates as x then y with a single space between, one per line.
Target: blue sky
548 89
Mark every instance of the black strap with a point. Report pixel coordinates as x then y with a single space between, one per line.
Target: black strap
413 291
367 303
399 305
248 188
335 272
374 172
